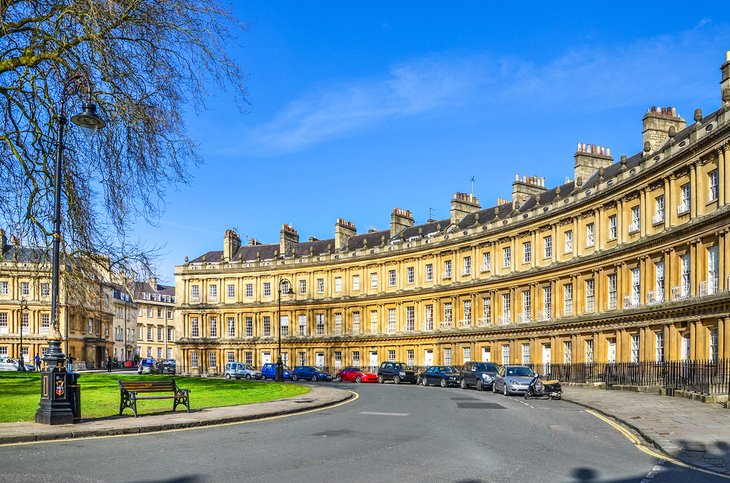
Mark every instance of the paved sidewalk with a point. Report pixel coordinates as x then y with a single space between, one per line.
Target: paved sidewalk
319 397
691 431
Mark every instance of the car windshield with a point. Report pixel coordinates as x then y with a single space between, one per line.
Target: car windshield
447 370
484 367
399 366
519 371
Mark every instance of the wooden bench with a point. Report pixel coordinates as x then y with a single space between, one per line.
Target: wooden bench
130 390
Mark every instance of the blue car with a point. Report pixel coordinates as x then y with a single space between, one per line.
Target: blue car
309 373
268 371
444 376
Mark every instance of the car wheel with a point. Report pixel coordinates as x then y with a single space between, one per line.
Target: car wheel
425 382
527 395
444 383
480 385
463 384
338 379
294 377
381 380
505 392
396 380
248 376
358 379
314 378
228 376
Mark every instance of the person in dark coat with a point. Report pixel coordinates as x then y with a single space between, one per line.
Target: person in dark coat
108 364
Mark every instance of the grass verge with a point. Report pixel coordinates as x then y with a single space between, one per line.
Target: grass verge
20 394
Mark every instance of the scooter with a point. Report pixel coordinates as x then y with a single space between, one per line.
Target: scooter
544 388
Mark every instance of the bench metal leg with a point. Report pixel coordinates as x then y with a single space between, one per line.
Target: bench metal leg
128 400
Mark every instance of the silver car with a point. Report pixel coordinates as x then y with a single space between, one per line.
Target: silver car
238 370
512 380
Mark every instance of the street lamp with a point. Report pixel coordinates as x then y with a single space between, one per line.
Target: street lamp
285 286
23 306
55 405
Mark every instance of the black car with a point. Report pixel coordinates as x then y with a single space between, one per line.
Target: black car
478 374
444 376
397 372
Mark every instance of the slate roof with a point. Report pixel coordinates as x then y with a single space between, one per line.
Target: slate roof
25 254
140 287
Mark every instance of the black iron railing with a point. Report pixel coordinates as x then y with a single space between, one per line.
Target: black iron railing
706 377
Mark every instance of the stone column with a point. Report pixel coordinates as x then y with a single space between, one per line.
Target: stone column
694 194
642 285
724 175
668 206
620 235
642 213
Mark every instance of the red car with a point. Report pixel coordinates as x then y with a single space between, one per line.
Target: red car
355 374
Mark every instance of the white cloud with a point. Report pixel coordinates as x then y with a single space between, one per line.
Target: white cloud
589 78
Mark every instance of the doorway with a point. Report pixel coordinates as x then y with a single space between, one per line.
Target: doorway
373 359
546 358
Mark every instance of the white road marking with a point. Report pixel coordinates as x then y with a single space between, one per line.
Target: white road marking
658 468
375 413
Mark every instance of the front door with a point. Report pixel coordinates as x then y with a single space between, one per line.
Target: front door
546 358
265 358
428 359
486 354
319 359
373 360
611 357
685 346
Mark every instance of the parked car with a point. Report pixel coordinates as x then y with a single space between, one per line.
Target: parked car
355 374
309 373
268 371
397 372
478 374
146 366
10 364
240 370
512 379
168 366
442 375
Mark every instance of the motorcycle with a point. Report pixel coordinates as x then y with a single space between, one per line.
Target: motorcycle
544 388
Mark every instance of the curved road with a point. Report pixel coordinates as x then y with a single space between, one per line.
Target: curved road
390 433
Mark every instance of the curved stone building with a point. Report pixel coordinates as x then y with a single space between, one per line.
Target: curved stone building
626 262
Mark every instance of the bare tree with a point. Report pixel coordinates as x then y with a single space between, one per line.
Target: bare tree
147 61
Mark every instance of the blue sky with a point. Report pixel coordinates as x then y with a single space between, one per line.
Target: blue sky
360 107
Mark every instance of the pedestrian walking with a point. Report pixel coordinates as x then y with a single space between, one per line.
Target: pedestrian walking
108 364
37 360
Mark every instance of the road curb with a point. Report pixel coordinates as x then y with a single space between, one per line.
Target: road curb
74 432
674 452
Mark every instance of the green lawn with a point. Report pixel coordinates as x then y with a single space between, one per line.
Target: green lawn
20 394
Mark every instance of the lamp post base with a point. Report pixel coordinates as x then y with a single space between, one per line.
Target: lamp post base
279 371
60 398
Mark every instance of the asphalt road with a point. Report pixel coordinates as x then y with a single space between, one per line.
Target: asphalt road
390 433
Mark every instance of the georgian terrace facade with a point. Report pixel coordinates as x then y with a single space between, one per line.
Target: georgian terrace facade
626 262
